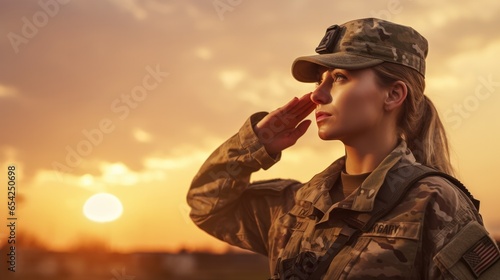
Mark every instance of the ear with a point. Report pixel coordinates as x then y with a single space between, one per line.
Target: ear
396 95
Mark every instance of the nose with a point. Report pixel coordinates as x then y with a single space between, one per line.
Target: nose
322 94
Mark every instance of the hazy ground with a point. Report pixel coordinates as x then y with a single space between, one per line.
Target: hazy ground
95 265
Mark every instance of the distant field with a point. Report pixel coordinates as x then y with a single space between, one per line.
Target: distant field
42 265
98 265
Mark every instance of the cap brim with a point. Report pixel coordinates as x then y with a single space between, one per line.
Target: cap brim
305 68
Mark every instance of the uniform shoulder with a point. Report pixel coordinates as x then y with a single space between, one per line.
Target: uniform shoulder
470 254
272 186
445 195
440 186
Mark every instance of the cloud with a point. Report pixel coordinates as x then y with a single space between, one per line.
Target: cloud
476 60
133 7
167 164
142 136
110 175
231 78
141 10
7 91
203 53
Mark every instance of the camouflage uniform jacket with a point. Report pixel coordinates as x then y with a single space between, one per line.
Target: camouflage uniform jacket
424 237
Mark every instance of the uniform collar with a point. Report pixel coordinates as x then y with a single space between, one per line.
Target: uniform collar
317 190
364 198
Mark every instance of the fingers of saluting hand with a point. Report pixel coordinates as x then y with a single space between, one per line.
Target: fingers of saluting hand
305 106
284 126
300 130
298 108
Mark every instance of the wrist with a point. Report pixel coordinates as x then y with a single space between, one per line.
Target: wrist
251 143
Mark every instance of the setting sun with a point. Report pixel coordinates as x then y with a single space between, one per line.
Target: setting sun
102 208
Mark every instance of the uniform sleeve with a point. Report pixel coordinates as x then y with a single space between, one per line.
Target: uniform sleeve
456 244
226 205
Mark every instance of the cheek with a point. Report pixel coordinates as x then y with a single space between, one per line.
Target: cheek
362 105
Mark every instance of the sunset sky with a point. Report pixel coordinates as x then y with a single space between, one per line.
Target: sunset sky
129 97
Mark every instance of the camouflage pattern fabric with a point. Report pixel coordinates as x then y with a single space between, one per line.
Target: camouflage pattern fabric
287 220
364 43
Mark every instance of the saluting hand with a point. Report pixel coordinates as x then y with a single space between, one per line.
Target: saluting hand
280 129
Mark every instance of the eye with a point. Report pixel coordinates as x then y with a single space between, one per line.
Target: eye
338 77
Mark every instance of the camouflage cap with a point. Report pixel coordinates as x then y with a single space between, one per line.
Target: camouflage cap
364 43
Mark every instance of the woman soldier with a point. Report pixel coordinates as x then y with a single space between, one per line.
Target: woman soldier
388 209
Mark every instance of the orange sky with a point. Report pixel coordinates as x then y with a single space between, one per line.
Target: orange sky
129 97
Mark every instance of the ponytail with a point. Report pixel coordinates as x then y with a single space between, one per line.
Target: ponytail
419 123
430 142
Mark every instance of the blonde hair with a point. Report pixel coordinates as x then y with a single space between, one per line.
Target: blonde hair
419 123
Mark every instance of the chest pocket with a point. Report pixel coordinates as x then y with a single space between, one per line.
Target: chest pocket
298 222
302 214
388 244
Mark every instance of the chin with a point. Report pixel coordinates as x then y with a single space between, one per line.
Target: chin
326 135
329 133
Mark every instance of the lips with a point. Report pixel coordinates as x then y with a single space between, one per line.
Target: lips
320 116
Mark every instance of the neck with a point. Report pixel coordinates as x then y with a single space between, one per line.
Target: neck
364 154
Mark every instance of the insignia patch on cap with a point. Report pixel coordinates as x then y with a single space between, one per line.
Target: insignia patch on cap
481 256
329 41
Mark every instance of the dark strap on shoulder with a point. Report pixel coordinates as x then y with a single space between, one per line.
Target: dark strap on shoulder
397 183
346 234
